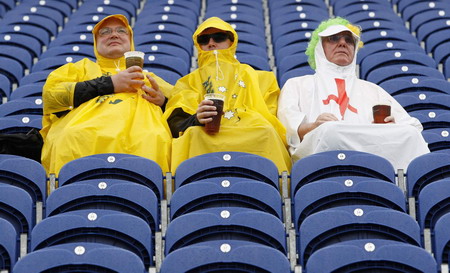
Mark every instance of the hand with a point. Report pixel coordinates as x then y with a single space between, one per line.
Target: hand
153 94
205 111
324 117
129 80
389 119
305 128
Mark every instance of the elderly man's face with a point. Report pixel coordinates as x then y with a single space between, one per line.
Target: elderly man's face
213 38
113 39
339 48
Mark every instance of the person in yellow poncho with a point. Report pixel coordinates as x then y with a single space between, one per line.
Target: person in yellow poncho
248 124
102 107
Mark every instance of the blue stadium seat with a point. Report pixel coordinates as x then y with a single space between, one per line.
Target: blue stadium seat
388 46
295 73
20 124
98 7
347 223
239 17
80 257
36 77
226 192
442 52
447 69
9 252
166 74
424 101
432 118
249 49
371 255
77 29
101 226
386 58
25 106
379 36
225 256
293 27
83 19
167 27
228 5
438 139
433 202
276 4
233 223
248 28
383 16
343 191
167 62
421 72
11 68
300 17
165 39
71 40
165 49
381 25
187 4
255 61
425 29
31 44
52 63
43 21
73 4
16 207
227 164
24 173
85 51
415 86
339 164
289 63
111 194
356 7
253 39
296 9
426 16
190 23
441 240
44 11
114 166
298 37
5 87
289 50
426 169
437 38
21 55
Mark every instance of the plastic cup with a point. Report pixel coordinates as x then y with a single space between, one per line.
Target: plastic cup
218 99
134 58
381 111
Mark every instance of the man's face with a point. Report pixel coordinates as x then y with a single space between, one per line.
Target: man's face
113 39
214 39
339 48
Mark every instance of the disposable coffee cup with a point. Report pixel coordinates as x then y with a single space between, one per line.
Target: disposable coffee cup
214 126
134 58
381 111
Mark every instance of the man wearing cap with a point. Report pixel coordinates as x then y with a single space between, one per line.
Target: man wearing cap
332 109
103 107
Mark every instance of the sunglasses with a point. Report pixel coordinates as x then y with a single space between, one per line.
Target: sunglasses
218 37
334 39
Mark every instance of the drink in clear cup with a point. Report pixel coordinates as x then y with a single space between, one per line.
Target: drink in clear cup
381 111
218 99
134 58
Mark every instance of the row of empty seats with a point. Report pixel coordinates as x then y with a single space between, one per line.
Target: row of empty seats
223 201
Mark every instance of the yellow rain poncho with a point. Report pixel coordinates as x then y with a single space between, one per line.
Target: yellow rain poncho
112 123
248 124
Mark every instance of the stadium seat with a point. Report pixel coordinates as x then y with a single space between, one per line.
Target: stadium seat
426 16
36 77
80 257
388 17
52 63
442 52
43 21
226 192
5 88
159 10
416 86
29 43
239 18
347 223
381 25
433 202
36 32
11 68
292 62
167 27
93 225
111 194
190 23
276 4
383 59
355 7
25 106
300 17
9 252
165 39
45 11
424 101
379 36
255 61
253 39
238 5
438 139
168 75
21 55
249 49
114 166
371 255
70 40
226 256
20 124
394 71
447 69
28 90
414 9
339 164
227 164
425 170
248 28
389 46
192 5
432 118
295 73
293 27
225 223
165 49
167 62
296 9
437 38
425 29
100 7
344 191
297 37
16 207
441 241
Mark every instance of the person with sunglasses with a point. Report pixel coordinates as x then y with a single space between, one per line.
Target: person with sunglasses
248 124
332 109
93 107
